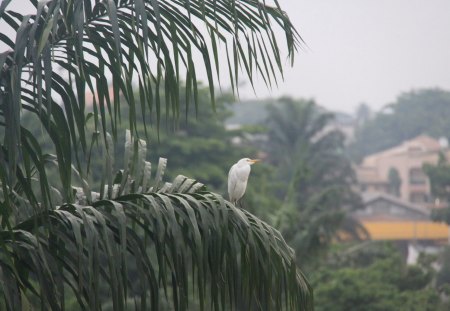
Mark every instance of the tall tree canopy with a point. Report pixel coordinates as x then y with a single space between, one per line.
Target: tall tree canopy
425 111
60 240
316 177
439 176
374 277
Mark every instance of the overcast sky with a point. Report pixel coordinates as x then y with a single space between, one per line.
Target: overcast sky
366 50
363 50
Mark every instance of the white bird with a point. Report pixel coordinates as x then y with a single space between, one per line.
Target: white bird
238 177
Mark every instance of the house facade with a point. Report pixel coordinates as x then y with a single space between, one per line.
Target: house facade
398 171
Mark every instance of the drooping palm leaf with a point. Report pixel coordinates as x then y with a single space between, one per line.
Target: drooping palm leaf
70 48
142 240
133 239
244 261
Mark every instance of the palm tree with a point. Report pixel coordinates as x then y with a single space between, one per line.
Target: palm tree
319 180
136 239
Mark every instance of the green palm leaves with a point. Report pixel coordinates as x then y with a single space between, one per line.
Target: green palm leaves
136 240
149 242
70 48
190 241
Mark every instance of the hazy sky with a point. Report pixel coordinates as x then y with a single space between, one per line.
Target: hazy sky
366 50
363 50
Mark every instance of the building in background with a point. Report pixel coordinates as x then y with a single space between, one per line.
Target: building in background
398 171
386 217
389 218
397 196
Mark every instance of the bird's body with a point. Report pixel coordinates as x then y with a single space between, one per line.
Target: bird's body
238 177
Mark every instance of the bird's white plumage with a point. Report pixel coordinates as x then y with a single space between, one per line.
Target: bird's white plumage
237 179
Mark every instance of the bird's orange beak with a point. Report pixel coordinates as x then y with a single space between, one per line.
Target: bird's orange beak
253 161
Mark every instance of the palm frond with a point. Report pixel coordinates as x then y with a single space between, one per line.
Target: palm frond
137 238
72 48
176 243
136 246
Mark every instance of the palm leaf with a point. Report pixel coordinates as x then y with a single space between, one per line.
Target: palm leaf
137 238
138 244
69 48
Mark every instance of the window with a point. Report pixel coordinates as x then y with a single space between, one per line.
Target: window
417 176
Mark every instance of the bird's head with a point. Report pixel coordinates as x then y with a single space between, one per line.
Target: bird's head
248 161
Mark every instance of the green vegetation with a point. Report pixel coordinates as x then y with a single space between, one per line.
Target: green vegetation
395 182
315 178
90 223
374 278
417 112
69 243
439 176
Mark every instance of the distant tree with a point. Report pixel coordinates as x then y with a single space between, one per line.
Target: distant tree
414 113
314 176
394 181
202 147
197 145
439 176
375 278
363 114
443 275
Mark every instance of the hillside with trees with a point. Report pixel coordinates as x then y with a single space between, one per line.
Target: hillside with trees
425 111
373 277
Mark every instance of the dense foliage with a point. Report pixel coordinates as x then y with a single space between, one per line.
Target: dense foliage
314 176
439 176
66 242
374 278
92 226
418 112
198 145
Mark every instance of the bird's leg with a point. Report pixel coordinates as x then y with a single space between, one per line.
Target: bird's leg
240 204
